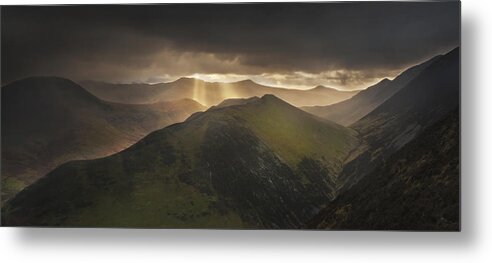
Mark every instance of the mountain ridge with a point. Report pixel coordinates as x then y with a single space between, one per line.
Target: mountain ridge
237 166
210 93
49 120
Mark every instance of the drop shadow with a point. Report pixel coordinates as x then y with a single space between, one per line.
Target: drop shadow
312 239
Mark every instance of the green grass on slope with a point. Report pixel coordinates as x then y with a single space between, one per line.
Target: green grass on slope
153 196
156 199
294 134
137 189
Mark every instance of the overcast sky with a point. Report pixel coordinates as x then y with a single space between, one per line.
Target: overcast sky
342 45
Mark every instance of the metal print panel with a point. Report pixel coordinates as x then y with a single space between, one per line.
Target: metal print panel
335 116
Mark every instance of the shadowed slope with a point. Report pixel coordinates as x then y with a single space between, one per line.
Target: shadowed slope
400 119
405 174
417 188
47 121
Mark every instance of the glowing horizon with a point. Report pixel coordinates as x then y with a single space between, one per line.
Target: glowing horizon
278 81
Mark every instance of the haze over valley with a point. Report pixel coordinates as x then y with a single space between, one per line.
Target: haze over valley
211 93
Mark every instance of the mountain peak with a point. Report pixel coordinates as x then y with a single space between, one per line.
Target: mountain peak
266 100
319 87
384 81
47 88
324 88
247 82
187 80
236 101
272 98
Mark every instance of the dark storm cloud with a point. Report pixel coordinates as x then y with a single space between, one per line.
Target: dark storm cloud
124 43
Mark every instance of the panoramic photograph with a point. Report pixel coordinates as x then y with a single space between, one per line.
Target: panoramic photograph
314 116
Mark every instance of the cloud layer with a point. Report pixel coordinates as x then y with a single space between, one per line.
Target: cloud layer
346 45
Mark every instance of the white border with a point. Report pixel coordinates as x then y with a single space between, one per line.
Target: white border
473 244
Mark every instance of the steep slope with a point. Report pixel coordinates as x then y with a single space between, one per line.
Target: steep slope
47 121
210 94
351 110
400 119
258 164
417 188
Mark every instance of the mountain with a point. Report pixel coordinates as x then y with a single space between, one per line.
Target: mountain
422 102
47 121
416 189
351 110
256 163
209 93
404 175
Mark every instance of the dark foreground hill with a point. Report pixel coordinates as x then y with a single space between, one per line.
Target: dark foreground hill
400 119
405 173
47 121
211 93
417 188
260 163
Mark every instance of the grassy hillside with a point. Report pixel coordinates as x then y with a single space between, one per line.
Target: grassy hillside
293 134
258 164
47 121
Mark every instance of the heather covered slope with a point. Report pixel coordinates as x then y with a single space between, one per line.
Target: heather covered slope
351 110
47 121
416 189
211 93
255 164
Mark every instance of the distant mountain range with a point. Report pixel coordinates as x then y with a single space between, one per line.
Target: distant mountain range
211 93
47 121
351 110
